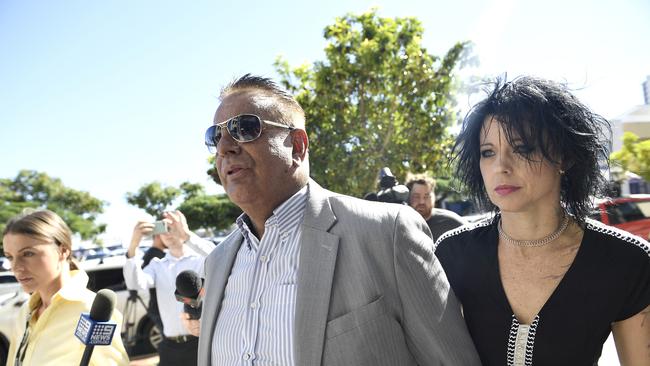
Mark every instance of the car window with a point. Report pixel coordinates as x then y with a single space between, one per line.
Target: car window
8 279
644 207
111 278
625 212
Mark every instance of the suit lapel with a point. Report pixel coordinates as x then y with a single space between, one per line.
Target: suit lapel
318 249
224 257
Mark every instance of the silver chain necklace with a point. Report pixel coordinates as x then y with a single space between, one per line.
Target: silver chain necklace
536 242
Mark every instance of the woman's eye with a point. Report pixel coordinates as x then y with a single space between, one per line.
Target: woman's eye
523 150
28 254
487 153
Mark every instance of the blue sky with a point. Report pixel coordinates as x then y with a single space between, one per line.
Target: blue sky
110 95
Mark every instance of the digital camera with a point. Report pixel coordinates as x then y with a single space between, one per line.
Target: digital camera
159 227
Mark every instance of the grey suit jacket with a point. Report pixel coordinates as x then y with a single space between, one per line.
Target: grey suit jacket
370 290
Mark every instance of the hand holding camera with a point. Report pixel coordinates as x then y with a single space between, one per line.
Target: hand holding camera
141 229
172 228
159 227
177 225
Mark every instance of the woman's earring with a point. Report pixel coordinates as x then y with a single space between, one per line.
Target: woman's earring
561 171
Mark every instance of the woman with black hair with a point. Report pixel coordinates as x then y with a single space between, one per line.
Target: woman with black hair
540 283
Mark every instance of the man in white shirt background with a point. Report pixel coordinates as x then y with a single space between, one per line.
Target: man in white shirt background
186 251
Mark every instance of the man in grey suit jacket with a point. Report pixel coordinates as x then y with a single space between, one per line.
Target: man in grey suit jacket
313 277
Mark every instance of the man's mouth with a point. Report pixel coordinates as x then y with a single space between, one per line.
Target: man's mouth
233 171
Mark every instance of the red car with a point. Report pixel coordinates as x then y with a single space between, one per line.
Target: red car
631 214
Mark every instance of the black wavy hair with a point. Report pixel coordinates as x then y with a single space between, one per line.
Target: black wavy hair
553 122
250 81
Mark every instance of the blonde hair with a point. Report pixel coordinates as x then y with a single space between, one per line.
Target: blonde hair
43 225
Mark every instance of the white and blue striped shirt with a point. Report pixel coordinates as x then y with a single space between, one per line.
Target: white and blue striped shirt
255 324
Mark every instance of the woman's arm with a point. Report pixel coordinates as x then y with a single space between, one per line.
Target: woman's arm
632 338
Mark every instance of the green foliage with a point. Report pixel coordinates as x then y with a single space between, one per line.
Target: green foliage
379 99
191 190
209 211
212 171
38 190
153 198
634 156
213 212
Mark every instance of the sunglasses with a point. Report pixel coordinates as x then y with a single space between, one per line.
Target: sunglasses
242 128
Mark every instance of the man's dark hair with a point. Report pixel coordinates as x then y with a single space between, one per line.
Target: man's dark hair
551 121
271 88
421 179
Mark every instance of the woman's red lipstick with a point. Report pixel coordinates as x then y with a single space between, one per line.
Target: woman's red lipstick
504 189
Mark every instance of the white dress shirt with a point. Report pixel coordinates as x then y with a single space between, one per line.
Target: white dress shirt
161 273
256 320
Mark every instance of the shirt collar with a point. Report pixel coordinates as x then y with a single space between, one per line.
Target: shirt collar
286 216
73 290
169 257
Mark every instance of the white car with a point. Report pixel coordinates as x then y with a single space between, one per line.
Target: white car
139 334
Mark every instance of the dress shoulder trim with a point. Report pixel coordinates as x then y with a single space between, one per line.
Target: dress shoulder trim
619 234
461 229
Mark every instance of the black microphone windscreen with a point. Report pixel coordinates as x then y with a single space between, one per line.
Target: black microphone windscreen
189 284
103 305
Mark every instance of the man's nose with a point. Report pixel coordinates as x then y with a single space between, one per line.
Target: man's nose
226 144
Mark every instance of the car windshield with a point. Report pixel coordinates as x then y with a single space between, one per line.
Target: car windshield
628 211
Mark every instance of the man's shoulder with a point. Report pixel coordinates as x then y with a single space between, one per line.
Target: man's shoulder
156 252
440 214
342 205
234 236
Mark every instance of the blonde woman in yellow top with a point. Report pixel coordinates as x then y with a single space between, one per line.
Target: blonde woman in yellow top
39 247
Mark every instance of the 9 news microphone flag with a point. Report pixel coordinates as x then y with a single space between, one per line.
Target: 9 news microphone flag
95 328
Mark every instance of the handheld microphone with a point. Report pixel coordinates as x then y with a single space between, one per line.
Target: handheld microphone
95 328
189 291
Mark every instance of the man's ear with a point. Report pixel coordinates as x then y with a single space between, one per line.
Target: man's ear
300 143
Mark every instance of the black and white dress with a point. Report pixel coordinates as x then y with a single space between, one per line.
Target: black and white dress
609 281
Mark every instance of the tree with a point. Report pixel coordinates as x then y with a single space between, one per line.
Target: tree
201 210
212 171
634 156
153 198
213 212
32 189
379 99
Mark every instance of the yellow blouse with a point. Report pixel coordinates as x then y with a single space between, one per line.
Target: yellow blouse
51 339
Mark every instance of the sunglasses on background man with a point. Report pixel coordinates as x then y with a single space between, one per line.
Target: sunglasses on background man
242 128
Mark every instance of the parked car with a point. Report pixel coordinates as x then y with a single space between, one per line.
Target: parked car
631 214
139 334
477 217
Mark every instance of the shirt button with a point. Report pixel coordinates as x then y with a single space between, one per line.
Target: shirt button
264 259
247 356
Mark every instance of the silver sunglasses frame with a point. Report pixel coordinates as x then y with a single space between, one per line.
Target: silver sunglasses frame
212 147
